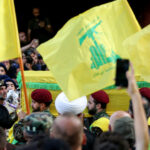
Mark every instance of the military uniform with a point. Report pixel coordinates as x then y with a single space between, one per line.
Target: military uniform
39 122
101 120
19 127
40 96
47 111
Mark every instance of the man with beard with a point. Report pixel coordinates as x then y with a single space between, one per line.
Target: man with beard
3 92
97 107
145 93
41 100
36 124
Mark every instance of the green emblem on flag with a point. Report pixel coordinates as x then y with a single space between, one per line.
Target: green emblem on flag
98 52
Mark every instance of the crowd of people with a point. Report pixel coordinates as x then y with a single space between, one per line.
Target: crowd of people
123 130
70 130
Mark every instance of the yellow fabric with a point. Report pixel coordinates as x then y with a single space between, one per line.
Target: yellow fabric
149 121
83 53
102 123
139 48
39 76
9 41
119 99
10 134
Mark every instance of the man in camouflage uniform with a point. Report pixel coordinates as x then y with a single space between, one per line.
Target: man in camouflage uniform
41 100
35 124
97 107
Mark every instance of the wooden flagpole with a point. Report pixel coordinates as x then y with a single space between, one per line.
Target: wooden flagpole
19 53
24 85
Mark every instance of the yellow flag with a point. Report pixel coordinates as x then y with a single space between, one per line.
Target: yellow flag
138 46
82 56
9 41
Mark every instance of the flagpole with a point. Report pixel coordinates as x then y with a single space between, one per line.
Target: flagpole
24 85
15 28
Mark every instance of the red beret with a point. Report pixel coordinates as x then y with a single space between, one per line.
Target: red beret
145 92
100 96
41 96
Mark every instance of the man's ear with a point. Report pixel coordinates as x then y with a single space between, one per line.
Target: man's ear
42 106
98 106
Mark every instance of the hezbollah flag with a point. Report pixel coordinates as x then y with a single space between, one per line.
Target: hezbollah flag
138 45
9 41
82 56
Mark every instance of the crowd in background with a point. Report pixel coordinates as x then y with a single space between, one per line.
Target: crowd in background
39 31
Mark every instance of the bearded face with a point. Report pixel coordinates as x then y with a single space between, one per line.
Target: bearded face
91 106
35 106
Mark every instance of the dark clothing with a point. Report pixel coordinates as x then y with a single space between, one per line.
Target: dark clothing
24 43
100 115
88 121
89 140
47 111
100 123
37 31
10 146
18 130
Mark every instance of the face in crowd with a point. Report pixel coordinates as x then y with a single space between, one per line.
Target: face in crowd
22 37
91 106
36 12
10 86
3 91
7 64
35 106
2 71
